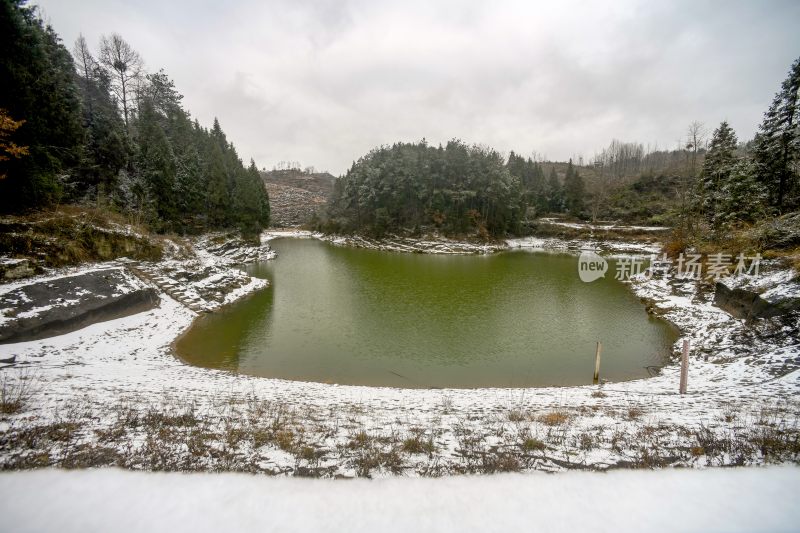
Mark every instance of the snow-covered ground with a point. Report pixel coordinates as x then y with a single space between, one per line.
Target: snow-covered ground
604 227
98 390
603 245
730 500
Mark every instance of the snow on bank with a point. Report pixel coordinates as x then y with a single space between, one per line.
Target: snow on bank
285 233
427 245
601 245
128 365
757 499
393 243
604 227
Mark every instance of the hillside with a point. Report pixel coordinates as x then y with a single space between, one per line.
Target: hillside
96 129
295 195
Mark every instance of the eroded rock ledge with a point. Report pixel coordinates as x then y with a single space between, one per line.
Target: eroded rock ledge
742 303
61 305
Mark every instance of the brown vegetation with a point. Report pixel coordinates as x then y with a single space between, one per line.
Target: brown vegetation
70 236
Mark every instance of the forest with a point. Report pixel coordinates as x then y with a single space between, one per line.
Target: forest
94 127
711 181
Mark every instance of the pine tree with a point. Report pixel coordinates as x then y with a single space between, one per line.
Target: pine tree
217 196
87 127
717 168
107 149
458 188
37 86
156 165
743 198
189 191
555 193
574 191
777 144
264 211
250 201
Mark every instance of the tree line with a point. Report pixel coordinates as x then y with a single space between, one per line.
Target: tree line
94 126
747 182
97 128
462 189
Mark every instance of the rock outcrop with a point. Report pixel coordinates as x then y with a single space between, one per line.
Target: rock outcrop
295 196
741 303
62 305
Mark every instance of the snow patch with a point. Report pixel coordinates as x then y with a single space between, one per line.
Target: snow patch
733 500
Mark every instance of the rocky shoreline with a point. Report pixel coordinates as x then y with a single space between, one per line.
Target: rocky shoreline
114 394
437 244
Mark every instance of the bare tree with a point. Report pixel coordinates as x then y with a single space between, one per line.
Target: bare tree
124 66
87 67
695 137
621 159
84 61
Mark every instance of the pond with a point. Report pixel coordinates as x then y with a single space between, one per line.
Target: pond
364 317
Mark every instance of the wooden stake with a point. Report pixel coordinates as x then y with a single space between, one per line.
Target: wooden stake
684 366
597 363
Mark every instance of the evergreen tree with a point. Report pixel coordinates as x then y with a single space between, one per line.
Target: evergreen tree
531 178
555 193
155 162
250 201
107 148
456 188
217 196
102 126
743 198
574 191
263 209
777 144
37 86
716 172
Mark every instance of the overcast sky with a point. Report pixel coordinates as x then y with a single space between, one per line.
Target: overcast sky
324 81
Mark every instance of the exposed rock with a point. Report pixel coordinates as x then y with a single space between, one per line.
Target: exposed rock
431 244
234 250
11 269
316 182
63 240
295 196
742 303
61 305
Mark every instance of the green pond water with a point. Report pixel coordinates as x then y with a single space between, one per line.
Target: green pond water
363 317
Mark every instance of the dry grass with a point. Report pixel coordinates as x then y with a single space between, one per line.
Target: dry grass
242 435
586 442
517 415
73 235
285 439
530 444
634 412
554 418
359 439
419 443
446 404
17 392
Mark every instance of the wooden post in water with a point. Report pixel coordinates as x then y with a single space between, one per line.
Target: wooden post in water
597 363
684 366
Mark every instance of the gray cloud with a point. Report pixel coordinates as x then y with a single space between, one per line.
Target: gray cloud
324 81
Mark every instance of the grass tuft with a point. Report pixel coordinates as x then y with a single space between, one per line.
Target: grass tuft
554 418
